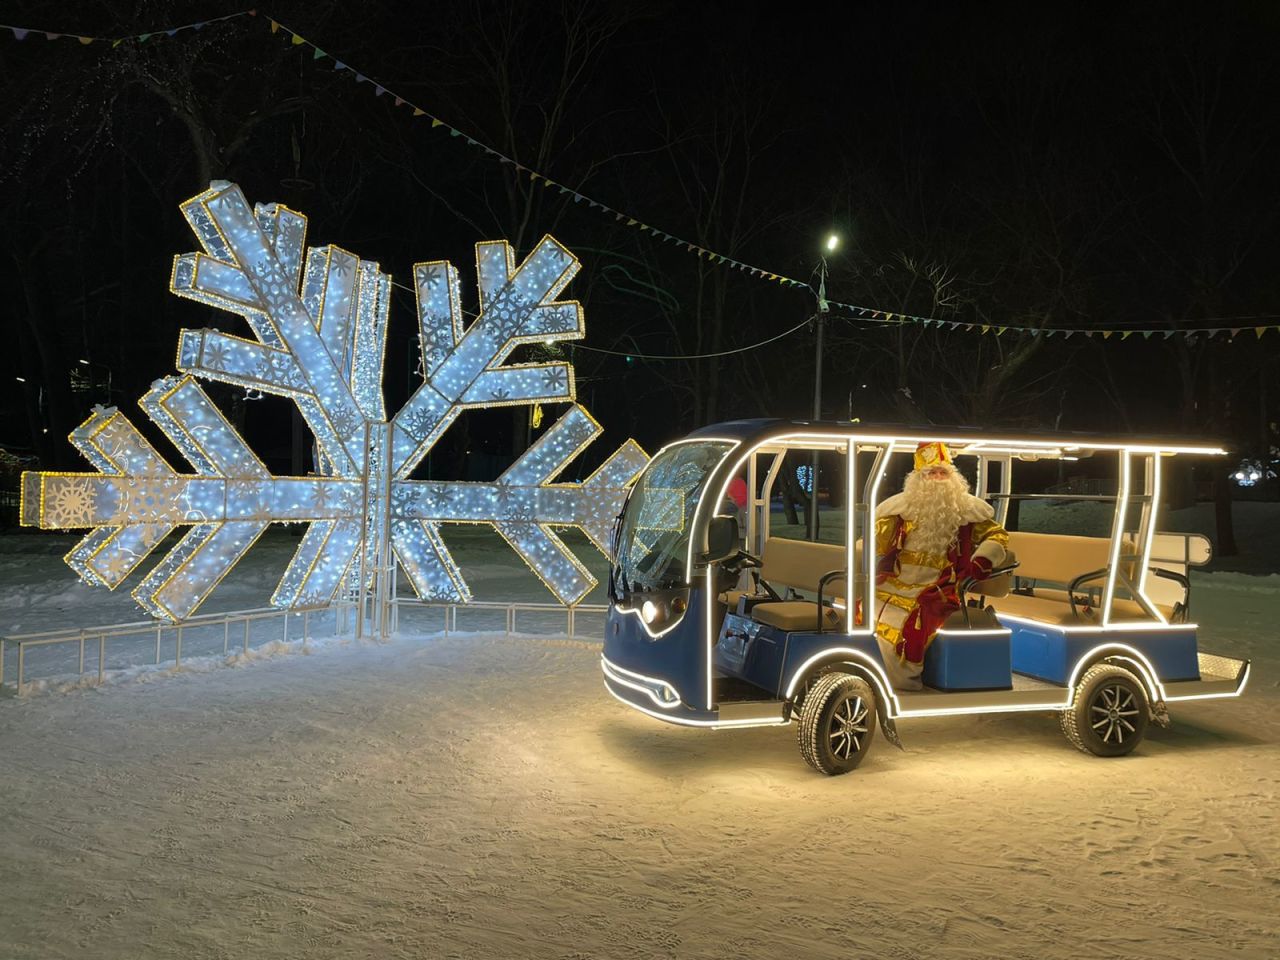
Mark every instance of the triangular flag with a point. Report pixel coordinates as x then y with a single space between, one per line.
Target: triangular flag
1106 334
436 123
20 34
986 328
1066 335
1234 331
1146 334
1125 335
295 39
318 54
1259 331
85 40
399 102
275 27
339 65
379 89
1000 331
632 223
57 36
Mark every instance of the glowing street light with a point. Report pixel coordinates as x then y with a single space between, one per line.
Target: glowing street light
833 242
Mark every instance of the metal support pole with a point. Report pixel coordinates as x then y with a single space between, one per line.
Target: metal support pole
306 626
226 636
81 652
1 661
246 634
177 650
22 657
102 656
157 645
820 322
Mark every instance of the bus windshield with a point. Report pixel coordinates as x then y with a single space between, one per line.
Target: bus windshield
653 543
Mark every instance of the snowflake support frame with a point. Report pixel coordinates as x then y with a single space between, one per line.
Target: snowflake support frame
319 322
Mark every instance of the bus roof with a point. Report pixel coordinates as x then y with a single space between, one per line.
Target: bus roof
965 440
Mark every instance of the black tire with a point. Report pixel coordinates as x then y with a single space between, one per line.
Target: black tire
1109 713
837 723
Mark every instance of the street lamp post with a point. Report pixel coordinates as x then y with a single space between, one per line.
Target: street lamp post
824 308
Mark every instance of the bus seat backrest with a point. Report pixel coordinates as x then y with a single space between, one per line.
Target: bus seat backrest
802 563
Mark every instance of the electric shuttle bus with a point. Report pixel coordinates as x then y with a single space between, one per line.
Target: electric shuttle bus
708 629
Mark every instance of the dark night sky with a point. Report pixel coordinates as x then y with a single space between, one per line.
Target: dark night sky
1056 165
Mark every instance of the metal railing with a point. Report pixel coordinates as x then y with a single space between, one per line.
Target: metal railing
450 611
237 628
89 637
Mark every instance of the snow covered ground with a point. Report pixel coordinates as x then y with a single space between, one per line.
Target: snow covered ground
481 796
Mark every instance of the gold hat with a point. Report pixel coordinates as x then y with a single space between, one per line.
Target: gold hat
931 454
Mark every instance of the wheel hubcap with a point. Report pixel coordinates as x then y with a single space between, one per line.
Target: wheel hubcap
848 727
1110 712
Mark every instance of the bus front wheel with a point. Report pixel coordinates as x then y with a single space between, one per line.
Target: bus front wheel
837 723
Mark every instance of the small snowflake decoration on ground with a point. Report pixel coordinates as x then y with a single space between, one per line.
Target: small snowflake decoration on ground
319 320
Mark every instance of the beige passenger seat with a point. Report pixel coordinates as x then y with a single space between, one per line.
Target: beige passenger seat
1047 565
800 565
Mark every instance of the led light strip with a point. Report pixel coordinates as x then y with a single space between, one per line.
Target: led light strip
1117 538
1139 627
1145 561
642 684
1120 651
688 722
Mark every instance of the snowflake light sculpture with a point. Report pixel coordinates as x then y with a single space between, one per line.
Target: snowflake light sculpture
319 318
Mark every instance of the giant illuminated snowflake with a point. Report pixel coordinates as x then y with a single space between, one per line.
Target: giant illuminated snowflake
320 323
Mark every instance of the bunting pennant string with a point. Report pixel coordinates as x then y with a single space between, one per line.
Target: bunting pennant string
848 311
22 33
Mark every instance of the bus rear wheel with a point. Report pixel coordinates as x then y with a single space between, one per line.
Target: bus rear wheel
837 723
1109 713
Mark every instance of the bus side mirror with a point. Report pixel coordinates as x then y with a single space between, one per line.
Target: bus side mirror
722 539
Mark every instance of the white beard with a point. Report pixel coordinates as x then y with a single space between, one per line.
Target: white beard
936 508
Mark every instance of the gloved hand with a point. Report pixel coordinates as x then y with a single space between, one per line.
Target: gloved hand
980 568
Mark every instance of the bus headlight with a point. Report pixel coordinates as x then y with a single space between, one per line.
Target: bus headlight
651 612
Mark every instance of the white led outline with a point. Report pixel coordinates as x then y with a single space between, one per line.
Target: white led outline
640 683
1145 560
1244 680
689 722
1117 538
1139 626
1120 651
706 640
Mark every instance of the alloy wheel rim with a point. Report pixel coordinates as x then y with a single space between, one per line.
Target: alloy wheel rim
848 727
1110 711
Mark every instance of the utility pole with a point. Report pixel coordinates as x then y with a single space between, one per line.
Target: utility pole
820 322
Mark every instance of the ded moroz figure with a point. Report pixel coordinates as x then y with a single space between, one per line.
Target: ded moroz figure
929 538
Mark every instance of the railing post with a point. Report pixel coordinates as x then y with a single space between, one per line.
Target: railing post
102 657
177 650
572 618
285 638
22 656
158 628
81 673
1 661
306 626
246 635
226 635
